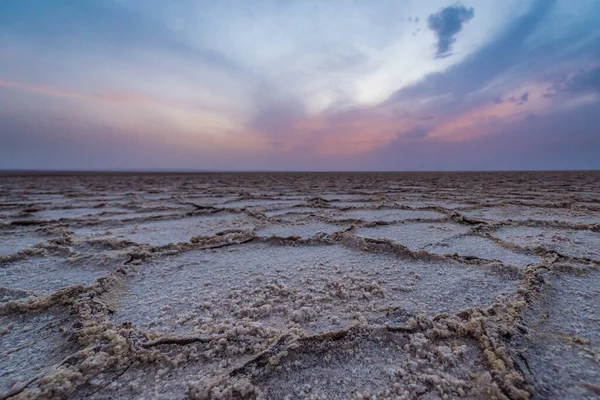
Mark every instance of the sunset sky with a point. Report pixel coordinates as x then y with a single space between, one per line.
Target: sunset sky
300 85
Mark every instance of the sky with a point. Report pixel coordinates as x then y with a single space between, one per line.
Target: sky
300 84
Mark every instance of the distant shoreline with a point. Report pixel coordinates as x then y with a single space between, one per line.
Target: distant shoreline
16 173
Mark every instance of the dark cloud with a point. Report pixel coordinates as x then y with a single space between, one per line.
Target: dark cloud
446 24
582 82
410 20
498 100
520 100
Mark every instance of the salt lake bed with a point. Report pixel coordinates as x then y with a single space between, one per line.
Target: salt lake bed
300 285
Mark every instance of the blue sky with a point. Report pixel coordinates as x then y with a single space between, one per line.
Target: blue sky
300 85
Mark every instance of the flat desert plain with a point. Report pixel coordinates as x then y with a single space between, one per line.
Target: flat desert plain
300 285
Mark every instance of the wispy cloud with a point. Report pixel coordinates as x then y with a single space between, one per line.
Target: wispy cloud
112 97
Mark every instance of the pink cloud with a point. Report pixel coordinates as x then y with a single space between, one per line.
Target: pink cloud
112 97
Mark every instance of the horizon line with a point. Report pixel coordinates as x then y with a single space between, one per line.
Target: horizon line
12 172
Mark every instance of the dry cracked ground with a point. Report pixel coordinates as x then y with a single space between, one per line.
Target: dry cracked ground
300 286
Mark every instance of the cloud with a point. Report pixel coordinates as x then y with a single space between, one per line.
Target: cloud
109 29
496 58
301 101
520 100
531 116
415 133
567 139
114 97
582 82
44 141
446 24
425 118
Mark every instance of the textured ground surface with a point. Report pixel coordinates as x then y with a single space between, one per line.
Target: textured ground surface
300 286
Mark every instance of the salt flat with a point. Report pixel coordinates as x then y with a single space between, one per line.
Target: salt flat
300 285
